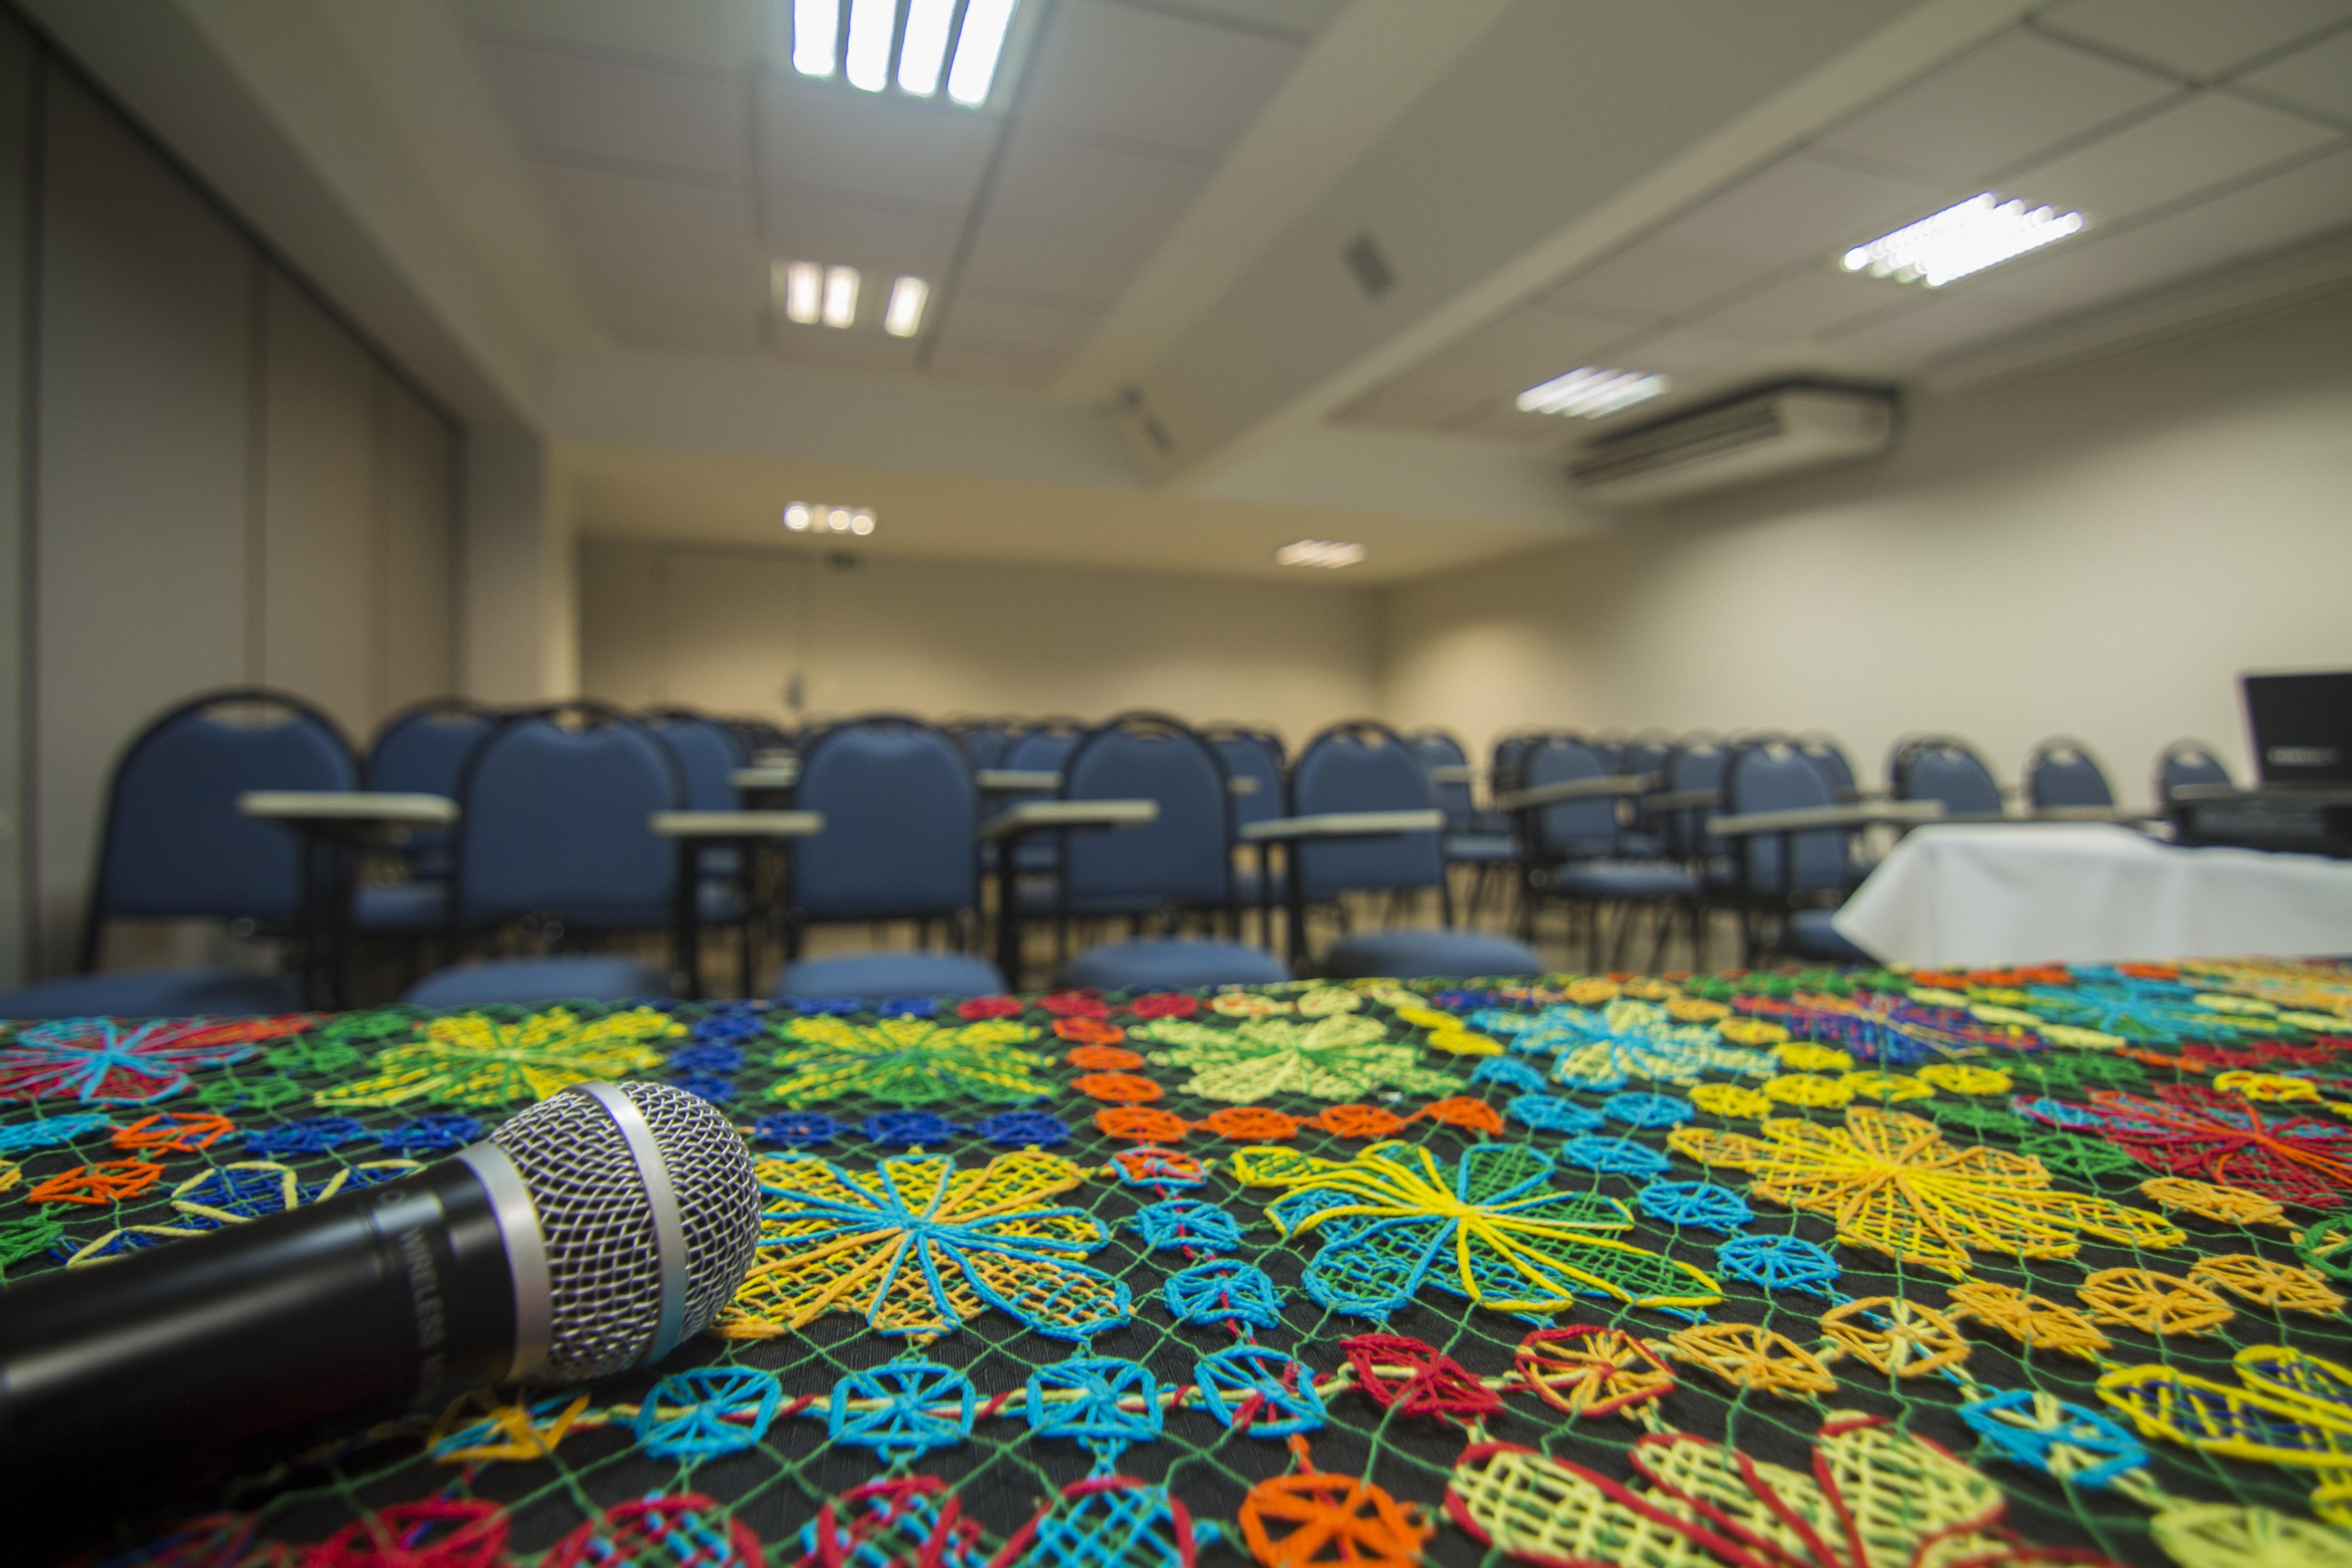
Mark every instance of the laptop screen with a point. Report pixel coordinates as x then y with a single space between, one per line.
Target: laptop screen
2302 726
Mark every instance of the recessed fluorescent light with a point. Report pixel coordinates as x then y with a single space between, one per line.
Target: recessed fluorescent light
803 286
977 49
870 24
817 36
1590 392
796 516
840 296
924 51
861 522
802 517
1318 552
905 311
1983 231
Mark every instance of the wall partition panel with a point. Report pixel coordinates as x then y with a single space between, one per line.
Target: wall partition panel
18 63
415 599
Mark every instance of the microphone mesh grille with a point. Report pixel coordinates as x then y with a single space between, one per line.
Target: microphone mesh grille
602 1262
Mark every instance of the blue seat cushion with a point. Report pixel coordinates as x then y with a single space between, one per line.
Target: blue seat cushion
1481 848
1809 934
879 976
1638 845
402 908
1427 956
1607 880
526 982
210 991
1173 965
716 903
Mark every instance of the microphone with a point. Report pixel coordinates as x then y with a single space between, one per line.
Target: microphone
586 1236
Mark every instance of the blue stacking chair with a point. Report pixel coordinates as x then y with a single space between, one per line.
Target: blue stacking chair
901 842
709 752
420 750
174 846
2061 772
1364 765
1040 747
1941 768
1477 840
1252 755
556 840
1789 883
1181 862
2187 763
1828 760
1582 851
754 735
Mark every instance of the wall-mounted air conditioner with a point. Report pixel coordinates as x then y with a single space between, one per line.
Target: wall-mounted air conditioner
1753 436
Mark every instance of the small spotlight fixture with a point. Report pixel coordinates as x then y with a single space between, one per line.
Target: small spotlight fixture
805 517
904 314
1590 392
914 40
1329 553
1983 231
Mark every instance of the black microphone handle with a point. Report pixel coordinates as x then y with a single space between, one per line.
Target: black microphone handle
177 1366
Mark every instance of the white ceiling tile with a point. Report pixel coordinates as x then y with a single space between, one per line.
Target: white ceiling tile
1302 18
1016 325
1524 348
878 243
1932 328
1698 350
2198 38
672 120
1653 279
1505 422
847 348
2204 141
2306 200
712 34
1072 267
1800 207
873 149
1069 185
2317 79
1804 306
990 367
1148 79
2004 101
653 251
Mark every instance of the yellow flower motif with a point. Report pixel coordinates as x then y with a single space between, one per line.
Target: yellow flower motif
1325 1000
1888 1088
1728 1100
1984 1012
1247 1005
1937 996
2266 1086
1892 1184
908 1061
1590 993
1463 1043
2075 1035
1751 1031
1960 1078
1696 1010
469 1058
1806 1057
1807 1089
2289 1408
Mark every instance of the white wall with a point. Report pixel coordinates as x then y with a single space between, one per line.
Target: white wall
724 629
2097 551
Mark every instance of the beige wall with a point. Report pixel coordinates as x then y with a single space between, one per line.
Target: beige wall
725 629
2097 551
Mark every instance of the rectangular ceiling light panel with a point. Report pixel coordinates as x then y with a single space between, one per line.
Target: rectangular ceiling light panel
1983 231
1590 392
1329 553
904 314
923 38
840 296
801 284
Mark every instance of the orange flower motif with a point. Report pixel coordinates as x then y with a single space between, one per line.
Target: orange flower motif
1359 1121
1140 1124
1103 1058
108 1182
1462 1111
1250 1124
1085 1031
173 1131
1117 1087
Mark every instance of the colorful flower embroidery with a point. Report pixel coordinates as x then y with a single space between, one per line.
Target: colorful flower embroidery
1343 1056
908 1061
471 1058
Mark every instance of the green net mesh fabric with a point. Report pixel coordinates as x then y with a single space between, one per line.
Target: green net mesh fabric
1766 1269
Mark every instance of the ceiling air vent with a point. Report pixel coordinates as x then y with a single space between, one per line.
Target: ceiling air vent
1746 439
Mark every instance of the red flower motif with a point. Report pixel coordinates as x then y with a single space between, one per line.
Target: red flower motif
1163 1004
1075 1004
1394 1369
1089 1031
2188 1130
977 1007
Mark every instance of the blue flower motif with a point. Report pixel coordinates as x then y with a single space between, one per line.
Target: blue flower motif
1550 1113
906 1008
1648 1110
829 1007
729 1025
1700 1205
2058 1113
907 1423
728 1409
436 1134
1219 1292
705 1086
908 1129
1259 1389
308 1135
48 1132
1509 1072
1096 1417
797 1128
708 1058
1501 1021
2009 1424
1023 1130
1780 1263
1179 1223
1615 1156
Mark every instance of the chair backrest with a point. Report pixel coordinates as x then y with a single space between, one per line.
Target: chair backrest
557 808
1181 856
1697 763
1252 754
1438 749
707 754
421 750
1361 764
900 823
2187 763
1646 753
174 843
1610 746
2063 771
1041 748
754 735
1571 829
1938 767
1775 775
1828 760
984 743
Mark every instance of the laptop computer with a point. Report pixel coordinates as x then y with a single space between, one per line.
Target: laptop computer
2302 727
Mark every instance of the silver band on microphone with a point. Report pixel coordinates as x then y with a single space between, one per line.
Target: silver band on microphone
669 1230
519 1228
